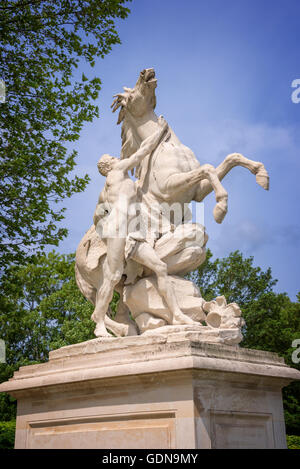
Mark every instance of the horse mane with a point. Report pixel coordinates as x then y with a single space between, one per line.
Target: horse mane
130 141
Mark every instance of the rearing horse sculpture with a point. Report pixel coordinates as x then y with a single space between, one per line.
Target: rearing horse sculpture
171 174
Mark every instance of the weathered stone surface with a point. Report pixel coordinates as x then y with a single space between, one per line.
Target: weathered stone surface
163 242
152 391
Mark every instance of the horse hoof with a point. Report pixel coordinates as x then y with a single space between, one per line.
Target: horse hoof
183 319
262 178
121 331
124 331
101 331
220 211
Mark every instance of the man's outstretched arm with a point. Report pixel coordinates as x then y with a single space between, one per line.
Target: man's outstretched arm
148 145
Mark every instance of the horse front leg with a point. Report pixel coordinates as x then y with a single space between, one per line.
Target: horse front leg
232 160
180 182
221 194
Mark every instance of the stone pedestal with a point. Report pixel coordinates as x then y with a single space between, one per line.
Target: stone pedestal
152 392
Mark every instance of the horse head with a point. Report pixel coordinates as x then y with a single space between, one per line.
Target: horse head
137 101
137 108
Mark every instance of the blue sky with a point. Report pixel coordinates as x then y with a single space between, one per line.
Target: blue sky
224 71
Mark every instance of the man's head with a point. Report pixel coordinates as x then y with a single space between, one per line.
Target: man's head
106 164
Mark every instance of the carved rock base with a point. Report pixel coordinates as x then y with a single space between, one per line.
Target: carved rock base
152 392
200 333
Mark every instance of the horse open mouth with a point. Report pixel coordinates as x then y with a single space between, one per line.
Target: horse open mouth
150 76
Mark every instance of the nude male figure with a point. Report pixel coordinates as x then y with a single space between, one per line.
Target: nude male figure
114 214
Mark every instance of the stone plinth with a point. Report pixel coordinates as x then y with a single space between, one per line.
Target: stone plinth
152 392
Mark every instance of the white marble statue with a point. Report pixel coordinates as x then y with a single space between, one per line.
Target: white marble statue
146 264
113 216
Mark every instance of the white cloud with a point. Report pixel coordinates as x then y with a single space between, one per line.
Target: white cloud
217 139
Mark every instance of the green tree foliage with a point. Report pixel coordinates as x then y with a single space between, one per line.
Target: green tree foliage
293 441
41 309
42 43
273 323
7 434
234 276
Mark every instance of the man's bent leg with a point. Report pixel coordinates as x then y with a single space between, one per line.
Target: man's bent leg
145 254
